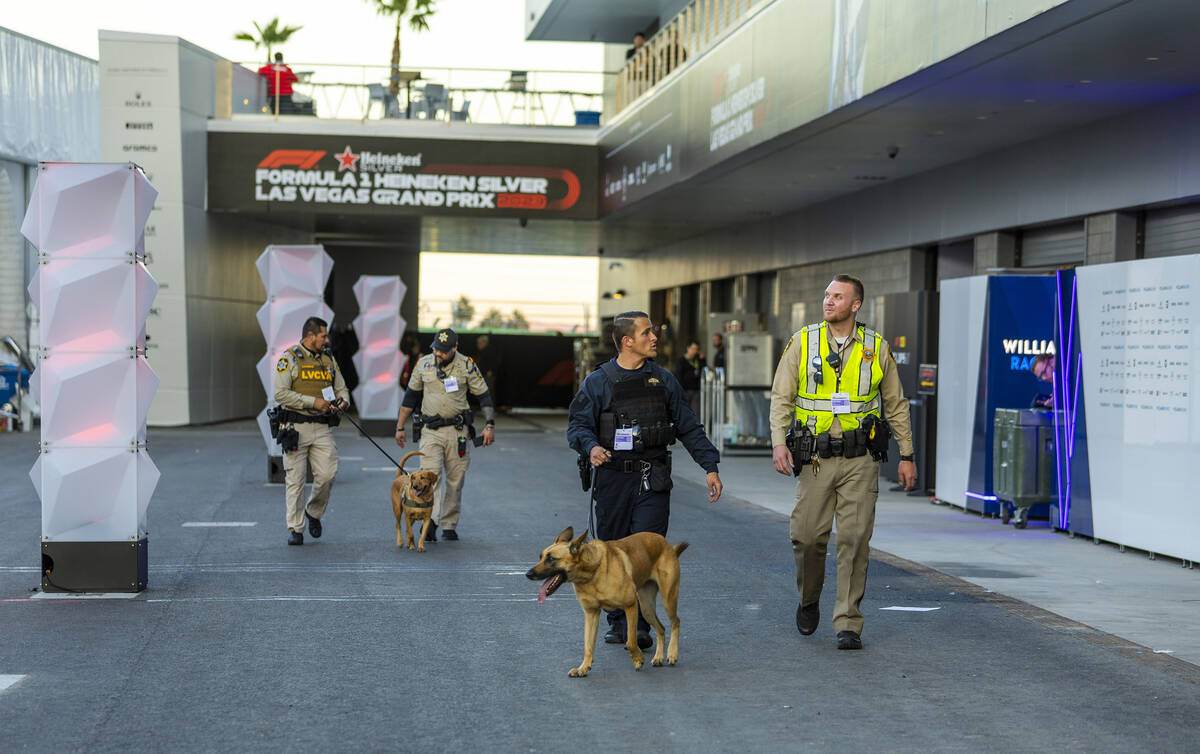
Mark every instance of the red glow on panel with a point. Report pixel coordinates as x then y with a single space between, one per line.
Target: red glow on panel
94 435
386 377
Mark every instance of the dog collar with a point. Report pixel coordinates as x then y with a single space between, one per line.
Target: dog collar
412 503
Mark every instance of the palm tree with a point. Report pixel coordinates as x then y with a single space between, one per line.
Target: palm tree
268 36
419 12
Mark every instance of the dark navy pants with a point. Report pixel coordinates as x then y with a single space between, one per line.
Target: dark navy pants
623 507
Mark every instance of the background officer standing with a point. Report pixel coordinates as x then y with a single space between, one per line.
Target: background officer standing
310 390
831 378
622 419
438 387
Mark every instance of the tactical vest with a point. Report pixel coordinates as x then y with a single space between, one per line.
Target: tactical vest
860 377
315 373
639 402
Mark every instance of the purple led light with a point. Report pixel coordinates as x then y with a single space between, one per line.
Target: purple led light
977 496
1054 375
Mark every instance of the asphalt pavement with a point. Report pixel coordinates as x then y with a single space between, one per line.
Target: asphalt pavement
349 643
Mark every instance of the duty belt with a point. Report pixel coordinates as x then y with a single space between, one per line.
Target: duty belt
437 422
295 417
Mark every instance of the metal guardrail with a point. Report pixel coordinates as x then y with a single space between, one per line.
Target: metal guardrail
693 30
448 95
712 405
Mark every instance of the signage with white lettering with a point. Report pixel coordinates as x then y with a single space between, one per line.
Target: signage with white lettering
272 173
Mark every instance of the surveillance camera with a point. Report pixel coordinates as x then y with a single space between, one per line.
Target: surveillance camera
893 151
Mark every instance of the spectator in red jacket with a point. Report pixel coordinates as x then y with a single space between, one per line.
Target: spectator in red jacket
279 81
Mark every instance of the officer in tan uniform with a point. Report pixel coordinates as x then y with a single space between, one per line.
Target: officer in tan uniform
310 391
834 381
438 388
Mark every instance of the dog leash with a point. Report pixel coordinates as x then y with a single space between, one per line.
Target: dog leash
364 434
592 506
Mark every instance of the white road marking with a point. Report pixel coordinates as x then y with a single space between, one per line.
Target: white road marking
85 595
8 681
911 609
351 458
378 468
220 523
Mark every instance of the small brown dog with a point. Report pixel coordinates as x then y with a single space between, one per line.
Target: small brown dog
412 499
621 574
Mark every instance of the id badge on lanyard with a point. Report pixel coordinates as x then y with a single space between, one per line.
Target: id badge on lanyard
841 403
623 439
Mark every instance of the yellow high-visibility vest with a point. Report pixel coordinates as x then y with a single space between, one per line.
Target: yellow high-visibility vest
814 401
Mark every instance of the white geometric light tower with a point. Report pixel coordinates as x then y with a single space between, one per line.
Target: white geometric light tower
378 360
93 294
295 278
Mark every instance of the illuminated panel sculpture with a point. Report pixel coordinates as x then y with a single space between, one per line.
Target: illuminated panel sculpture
93 294
294 277
379 361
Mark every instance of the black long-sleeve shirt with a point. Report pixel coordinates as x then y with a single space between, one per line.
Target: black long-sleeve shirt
595 395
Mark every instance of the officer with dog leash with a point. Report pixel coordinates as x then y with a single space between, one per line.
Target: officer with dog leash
438 387
835 395
622 419
310 390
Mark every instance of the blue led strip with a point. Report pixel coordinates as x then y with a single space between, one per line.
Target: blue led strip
1064 432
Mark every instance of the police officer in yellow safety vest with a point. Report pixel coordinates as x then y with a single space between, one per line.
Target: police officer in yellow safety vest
835 381
310 391
437 400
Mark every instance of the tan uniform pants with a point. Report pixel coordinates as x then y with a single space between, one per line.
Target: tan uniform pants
440 448
849 488
316 447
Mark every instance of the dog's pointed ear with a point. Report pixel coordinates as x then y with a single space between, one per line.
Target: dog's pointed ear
578 543
565 535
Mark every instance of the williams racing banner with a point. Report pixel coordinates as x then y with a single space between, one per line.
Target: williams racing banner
269 173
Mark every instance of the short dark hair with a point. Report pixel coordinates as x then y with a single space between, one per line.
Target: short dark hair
858 286
641 34
313 325
623 325
279 57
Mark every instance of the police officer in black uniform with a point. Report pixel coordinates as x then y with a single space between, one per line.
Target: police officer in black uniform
622 419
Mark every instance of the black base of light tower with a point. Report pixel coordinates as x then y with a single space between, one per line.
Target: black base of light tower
94 566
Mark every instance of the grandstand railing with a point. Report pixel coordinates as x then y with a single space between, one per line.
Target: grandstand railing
448 95
692 31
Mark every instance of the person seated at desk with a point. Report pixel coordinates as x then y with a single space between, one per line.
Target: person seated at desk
279 81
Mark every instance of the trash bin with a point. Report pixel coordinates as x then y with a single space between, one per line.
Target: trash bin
1024 471
587 117
12 378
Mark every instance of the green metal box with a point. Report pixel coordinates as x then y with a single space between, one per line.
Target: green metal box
1024 467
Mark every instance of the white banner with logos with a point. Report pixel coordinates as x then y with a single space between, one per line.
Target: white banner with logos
1138 337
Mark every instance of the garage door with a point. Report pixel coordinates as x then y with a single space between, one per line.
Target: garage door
1173 231
1053 245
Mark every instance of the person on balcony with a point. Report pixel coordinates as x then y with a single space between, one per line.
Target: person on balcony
279 83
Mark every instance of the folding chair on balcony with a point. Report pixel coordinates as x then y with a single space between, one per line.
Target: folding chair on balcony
387 101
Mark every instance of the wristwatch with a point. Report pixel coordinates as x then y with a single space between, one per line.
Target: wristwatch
906 458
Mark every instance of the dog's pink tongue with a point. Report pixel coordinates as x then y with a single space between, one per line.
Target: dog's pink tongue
542 592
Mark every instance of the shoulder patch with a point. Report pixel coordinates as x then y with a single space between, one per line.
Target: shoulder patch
788 346
281 365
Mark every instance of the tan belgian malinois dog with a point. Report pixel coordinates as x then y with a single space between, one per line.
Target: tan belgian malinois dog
412 499
620 574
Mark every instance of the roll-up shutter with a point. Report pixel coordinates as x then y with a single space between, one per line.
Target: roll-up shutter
1173 231
1053 245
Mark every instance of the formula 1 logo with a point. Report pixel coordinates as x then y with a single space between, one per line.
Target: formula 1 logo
293 158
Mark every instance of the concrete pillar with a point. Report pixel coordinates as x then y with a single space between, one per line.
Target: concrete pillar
1111 237
995 250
